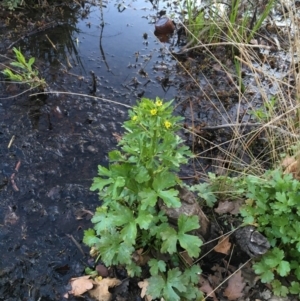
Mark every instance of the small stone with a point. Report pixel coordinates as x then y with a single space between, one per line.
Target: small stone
92 149
102 270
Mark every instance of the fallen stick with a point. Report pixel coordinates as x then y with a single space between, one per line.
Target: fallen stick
76 243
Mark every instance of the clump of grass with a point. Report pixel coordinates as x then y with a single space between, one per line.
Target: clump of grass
24 71
232 20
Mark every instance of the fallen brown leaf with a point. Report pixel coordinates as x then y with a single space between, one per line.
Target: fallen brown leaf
229 207
144 285
101 292
80 285
223 245
217 277
224 207
287 161
235 286
140 257
291 165
205 287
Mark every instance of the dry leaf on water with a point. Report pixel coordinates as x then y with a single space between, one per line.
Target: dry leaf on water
143 285
101 292
235 286
80 285
223 245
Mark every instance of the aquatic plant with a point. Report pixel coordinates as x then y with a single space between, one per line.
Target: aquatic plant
24 73
140 175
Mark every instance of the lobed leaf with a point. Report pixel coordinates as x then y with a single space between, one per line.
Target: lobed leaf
148 198
156 266
170 197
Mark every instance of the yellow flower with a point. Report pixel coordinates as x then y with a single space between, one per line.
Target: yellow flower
134 118
167 124
158 103
153 111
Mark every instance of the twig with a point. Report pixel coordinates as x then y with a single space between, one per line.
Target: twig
13 183
18 165
52 24
85 95
76 243
52 44
227 279
94 86
282 131
11 141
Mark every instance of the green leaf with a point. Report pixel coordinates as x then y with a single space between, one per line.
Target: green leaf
20 57
133 270
89 271
279 289
99 183
31 62
90 238
143 175
129 233
264 271
12 76
18 65
169 237
191 275
294 288
156 266
156 286
173 282
164 180
109 248
115 156
170 198
283 268
124 255
148 198
190 243
102 220
118 183
144 219
204 191
188 223
122 215
274 257
281 197
103 171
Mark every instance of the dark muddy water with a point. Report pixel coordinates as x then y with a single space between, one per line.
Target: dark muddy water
50 146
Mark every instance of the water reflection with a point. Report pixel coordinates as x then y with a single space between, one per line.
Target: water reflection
104 39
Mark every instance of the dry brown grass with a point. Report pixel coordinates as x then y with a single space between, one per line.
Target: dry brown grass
272 72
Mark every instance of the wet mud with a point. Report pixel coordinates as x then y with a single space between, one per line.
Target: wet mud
50 145
45 176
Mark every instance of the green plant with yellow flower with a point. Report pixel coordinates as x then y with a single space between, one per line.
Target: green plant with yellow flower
141 175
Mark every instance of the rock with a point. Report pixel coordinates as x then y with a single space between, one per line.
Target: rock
251 241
